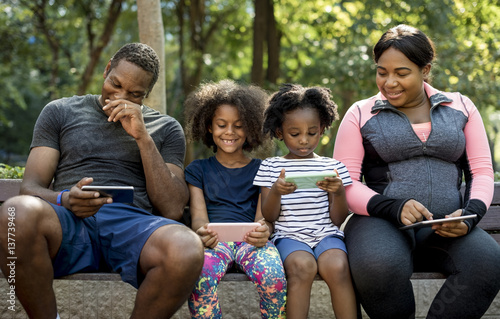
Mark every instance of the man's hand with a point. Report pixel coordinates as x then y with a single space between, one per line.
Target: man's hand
452 229
83 203
129 114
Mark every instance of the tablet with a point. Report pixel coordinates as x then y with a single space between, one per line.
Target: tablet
120 194
307 180
232 231
437 221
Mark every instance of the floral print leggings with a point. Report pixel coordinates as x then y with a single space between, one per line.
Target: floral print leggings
262 266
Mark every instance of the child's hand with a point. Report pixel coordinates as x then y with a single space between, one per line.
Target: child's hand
259 236
208 236
283 187
332 184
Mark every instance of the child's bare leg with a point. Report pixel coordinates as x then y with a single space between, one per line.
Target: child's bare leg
300 268
334 269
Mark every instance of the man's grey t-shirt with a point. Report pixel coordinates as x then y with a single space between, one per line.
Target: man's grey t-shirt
90 146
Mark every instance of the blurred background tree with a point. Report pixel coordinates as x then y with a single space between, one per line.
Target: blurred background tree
56 48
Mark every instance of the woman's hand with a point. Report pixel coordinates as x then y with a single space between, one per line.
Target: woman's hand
259 236
452 229
413 212
208 236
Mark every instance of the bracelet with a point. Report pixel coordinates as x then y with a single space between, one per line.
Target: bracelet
59 197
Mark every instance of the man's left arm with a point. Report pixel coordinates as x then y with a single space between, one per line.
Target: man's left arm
165 183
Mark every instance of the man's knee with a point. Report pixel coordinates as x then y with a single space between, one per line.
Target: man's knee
24 217
173 247
18 212
188 247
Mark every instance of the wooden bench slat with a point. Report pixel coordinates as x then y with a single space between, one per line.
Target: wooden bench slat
9 188
496 237
491 221
427 275
496 195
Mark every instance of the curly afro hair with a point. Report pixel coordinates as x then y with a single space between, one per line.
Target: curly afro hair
200 107
141 55
294 96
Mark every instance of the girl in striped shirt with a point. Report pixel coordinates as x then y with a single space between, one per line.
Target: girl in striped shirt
306 221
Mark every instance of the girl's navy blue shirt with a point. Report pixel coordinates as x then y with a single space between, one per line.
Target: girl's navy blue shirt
230 195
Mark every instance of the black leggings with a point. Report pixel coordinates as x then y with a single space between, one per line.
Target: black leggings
383 258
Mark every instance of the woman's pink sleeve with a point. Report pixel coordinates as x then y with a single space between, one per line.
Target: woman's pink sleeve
478 155
349 150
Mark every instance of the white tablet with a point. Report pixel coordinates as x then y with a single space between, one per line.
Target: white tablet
232 231
437 221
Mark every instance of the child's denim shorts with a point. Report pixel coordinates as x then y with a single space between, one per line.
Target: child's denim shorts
286 246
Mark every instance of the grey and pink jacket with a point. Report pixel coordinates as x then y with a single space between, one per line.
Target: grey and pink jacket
389 164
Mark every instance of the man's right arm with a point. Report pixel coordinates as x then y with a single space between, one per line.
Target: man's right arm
40 169
39 172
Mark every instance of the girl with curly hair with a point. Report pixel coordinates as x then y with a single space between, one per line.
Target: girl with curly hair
307 220
228 117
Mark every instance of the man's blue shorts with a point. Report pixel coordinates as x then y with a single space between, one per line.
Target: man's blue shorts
110 240
286 246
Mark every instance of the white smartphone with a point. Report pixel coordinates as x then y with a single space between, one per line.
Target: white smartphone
307 180
437 221
120 194
232 231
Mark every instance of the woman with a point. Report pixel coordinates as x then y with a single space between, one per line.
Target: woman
411 144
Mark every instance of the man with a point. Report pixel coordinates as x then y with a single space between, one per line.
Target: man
111 139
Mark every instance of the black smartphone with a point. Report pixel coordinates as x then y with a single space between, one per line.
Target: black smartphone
120 194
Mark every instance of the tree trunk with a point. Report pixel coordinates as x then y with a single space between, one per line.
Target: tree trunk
259 35
179 10
151 33
273 45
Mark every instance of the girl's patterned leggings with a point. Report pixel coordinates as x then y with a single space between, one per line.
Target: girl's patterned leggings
262 266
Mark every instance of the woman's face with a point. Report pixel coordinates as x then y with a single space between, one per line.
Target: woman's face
400 80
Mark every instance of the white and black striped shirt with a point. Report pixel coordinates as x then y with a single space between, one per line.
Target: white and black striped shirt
305 213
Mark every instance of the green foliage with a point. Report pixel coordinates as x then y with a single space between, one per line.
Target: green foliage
11 172
327 43
497 176
330 43
32 72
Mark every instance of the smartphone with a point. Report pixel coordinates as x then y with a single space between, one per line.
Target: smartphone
307 180
232 231
120 194
437 221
